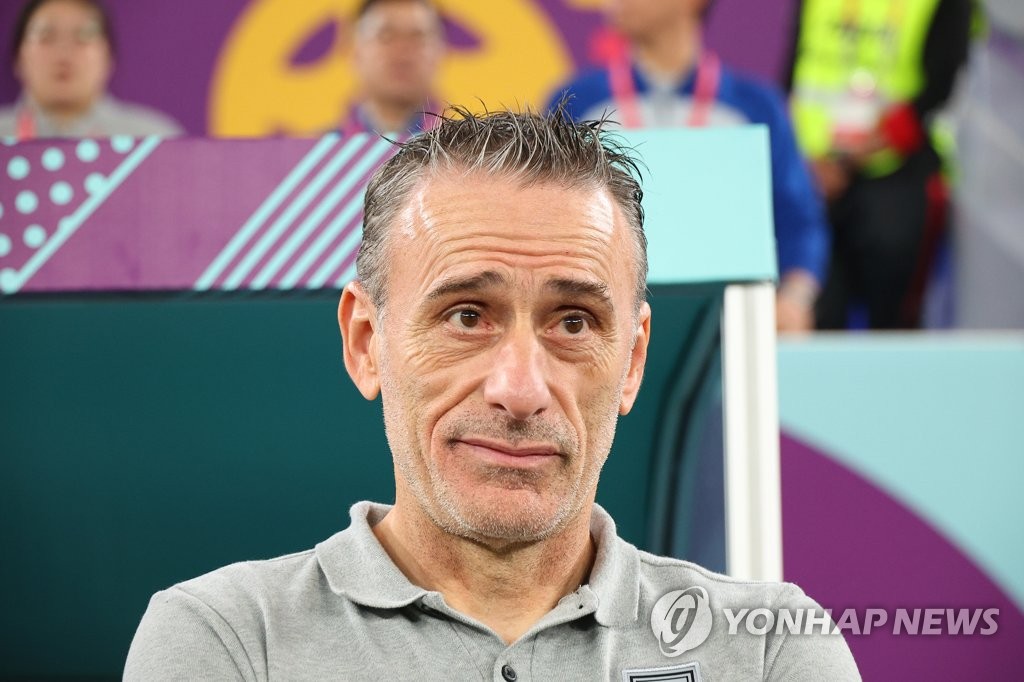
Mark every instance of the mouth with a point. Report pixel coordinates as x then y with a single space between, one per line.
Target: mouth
501 453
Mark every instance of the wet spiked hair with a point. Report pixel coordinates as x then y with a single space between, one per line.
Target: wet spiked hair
526 147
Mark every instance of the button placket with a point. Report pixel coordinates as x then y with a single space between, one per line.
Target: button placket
509 673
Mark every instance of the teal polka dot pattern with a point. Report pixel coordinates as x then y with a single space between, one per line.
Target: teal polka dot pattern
5 244
53 159
26 202
34 236
18 168
61 193
122 144
94 182
88 151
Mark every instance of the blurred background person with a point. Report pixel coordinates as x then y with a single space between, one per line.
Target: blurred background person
397 50
867 77
63 53
659 74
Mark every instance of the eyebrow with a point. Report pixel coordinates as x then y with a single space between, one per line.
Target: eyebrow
580 288
583 288
464 285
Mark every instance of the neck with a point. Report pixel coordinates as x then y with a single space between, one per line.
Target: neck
507 588
63 115
670 51
389 116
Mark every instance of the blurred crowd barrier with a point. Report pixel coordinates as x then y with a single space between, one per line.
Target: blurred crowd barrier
989 251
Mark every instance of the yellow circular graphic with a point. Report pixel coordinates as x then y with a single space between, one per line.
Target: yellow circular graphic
256 90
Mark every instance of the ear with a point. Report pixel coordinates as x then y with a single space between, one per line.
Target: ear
357 318
637 359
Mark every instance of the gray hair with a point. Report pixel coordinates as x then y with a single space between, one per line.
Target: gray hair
526 147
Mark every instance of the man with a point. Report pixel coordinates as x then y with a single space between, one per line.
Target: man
398 47
500 315
866 79
64 57
663 76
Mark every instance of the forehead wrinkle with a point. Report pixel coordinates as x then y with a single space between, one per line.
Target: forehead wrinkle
578 266
444 226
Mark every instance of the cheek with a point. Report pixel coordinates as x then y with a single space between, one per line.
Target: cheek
599 398
97 64
423 382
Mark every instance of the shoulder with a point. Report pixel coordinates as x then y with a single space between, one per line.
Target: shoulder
249 585
588 88
216 626
759 100
136 119
8 120
660 575
789 633
240 597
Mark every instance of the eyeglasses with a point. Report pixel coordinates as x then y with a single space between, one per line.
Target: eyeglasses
47 35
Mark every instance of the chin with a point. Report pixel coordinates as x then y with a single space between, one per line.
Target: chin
513 516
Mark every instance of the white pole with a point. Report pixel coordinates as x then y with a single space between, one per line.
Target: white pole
753 495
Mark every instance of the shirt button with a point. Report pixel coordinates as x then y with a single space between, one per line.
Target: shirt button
509 673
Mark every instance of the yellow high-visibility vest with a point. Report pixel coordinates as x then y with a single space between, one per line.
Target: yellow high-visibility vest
854 59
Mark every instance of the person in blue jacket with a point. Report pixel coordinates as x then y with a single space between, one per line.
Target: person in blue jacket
658 73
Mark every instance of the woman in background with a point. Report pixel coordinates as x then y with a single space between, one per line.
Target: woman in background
63 57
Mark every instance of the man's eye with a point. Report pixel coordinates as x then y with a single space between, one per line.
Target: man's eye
465 319
574 324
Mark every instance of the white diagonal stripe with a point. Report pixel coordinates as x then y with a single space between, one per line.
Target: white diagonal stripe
316 217
266 209
294 209
323 240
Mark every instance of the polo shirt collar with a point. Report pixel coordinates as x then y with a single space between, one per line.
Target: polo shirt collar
615 577
357 566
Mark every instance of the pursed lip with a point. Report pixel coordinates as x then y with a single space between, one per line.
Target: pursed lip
522 451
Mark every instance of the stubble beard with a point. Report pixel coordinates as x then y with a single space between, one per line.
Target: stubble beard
447 507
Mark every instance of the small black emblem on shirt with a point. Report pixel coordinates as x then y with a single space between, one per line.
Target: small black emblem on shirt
688 672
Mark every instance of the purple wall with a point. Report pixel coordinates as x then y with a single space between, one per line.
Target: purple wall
167 49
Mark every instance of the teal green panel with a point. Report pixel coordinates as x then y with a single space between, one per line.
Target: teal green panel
146 442
937 422
708 201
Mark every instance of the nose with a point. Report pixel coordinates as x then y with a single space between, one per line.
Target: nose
517 381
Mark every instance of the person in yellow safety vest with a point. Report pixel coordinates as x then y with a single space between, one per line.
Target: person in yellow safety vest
866 76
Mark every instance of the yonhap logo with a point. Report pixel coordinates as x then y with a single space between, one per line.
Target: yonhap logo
681 620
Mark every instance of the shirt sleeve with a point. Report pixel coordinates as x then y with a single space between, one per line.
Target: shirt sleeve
811 654
801 231
569 93
182 638
945 52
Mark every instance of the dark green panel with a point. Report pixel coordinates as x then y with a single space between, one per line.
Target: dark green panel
146 440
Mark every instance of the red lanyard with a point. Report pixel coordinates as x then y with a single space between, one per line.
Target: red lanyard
705 90
26 126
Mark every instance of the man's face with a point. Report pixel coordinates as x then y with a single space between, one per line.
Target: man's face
398 48
64 61
509 345
639 18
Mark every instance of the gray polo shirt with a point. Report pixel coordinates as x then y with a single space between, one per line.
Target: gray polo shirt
344 611
107 117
